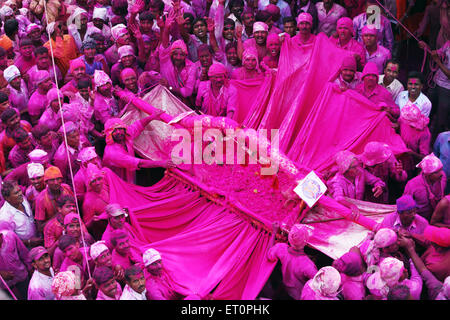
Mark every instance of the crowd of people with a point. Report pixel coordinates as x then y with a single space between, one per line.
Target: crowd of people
62 66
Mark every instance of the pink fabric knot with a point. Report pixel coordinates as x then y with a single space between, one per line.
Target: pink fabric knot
344 160
384 238
375 153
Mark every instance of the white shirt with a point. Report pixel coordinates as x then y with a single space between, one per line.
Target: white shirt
24 221
40 287
130 294
422 102
395 87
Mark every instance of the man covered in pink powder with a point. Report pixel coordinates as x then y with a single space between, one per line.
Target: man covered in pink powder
121 250
158 283
374 52
119 151
116 221
323 286
43 63
38 100
297 268
105 105
270 61
26 59
18 91
344 40
347 77
217 97
259 40
304 36
250 66
377 93
106 284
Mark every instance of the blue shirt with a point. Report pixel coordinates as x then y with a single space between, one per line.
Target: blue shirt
441 149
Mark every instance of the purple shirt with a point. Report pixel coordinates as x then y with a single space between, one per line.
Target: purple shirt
14 257
385 35
392 221
19 99
379 57
328 21
296 268
37 104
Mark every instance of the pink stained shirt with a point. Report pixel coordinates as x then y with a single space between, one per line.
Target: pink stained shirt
109 230
183 80
24 65
353 46
353 287
19 99
426 196
94 204
328 20
379 57
296 268
340 186
262 50
241 74
158 288
380 95
220 105
104 108
51 119
14 257
46 204
60 160
121 161
79 269
37 104
125 262
392 221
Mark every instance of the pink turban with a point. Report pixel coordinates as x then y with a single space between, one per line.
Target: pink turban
430 164
414 118
299 235
118 30
101 78
87 154
384 238
305 17
375 153
70 217
126 73
349 63
42 75
345 22
327 281
76 63
150 256
32 26
110 125
344 160
38 156
369 29
69 126
391 269
178 44
260 26
250 52
124 51
93 172
370 68
274 10
64 284
217 69
272 38
52 95
97 249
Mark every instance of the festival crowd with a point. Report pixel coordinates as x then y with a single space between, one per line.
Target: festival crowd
68 59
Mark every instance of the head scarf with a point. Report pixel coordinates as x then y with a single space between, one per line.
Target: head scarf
370 68
87 154
391 269
178 44
405 203
250 52
52 173
70 217
110 125
35 170
37 252
299 235
384 238
64 284
345 22
150 255
349 63
375 153
126 73
41 76
11 73
217 69
413 117
100 13
304 17
115 210
272 38
93 172
38 156
260 26
97 249
326 282
118 30
124 51
101 78
78 11
430 164
344 160
32 26
52 95
6 11
76 63
369 29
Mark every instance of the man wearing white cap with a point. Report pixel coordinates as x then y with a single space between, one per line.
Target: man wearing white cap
304 24
260 33
127 59
36 175
158 283
121 37
40 286
99 20
18 91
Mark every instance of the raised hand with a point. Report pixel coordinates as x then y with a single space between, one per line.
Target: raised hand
377 191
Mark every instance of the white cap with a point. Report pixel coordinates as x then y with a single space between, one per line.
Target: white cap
11 73
150 256
97 249
35 170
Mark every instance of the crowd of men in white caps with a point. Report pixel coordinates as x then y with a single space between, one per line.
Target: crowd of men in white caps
69 60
